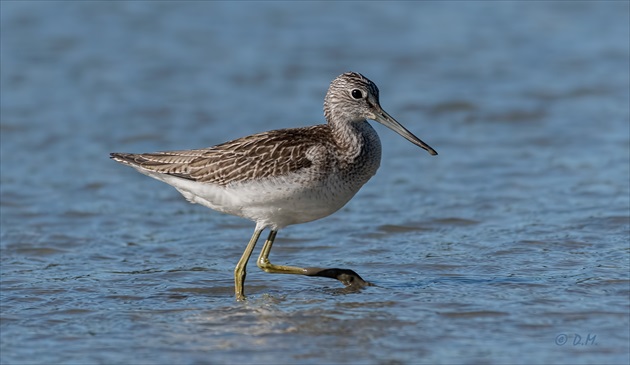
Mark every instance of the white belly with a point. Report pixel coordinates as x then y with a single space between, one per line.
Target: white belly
275 202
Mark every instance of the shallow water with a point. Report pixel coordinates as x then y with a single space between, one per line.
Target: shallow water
511 246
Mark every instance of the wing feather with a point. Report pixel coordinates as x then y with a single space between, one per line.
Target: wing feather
257 156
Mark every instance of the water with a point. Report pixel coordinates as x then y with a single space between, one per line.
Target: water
511 246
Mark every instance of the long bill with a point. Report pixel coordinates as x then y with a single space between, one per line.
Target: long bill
385 119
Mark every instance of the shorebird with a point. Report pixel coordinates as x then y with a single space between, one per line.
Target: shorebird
285 176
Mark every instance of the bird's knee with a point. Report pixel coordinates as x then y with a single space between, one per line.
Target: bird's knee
264 265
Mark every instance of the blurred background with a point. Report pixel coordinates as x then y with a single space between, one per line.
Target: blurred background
511 246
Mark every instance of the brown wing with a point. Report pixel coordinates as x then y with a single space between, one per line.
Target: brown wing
257 156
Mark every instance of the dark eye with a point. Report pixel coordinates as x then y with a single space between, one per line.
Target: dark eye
357 94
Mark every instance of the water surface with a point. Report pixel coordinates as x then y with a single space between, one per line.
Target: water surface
511 246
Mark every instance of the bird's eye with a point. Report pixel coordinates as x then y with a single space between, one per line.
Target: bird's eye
357 94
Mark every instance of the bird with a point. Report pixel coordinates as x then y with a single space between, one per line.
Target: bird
286 176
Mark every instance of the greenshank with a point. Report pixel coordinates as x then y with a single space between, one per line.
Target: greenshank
285 176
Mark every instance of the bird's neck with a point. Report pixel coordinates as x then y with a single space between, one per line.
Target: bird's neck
354 138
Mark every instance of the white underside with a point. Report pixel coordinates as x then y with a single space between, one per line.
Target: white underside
275 202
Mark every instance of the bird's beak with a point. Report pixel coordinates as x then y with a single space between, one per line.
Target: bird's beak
385 119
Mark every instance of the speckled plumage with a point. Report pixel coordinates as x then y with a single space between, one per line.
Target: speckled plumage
286 176
259 156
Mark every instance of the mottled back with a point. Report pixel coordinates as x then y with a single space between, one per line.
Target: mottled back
258 156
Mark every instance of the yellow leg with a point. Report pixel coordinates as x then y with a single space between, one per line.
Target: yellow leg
267 266
239 271
349 278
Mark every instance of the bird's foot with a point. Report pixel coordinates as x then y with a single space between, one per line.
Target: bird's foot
349 278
